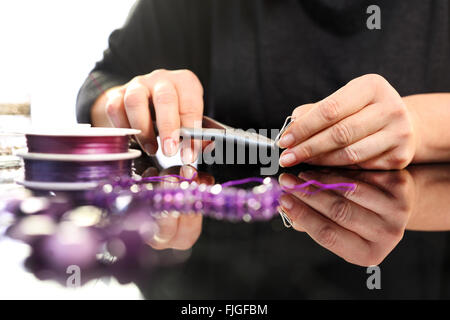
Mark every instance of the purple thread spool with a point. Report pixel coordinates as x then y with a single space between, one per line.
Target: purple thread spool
76 158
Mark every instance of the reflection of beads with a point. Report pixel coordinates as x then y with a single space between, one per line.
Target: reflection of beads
258 203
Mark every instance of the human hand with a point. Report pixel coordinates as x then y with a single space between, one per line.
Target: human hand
361 226
181 230
365 123
177 100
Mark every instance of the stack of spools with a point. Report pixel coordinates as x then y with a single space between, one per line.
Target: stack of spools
77 158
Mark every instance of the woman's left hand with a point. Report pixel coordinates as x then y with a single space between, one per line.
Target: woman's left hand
365 123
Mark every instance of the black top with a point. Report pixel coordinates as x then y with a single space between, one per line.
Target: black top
264 58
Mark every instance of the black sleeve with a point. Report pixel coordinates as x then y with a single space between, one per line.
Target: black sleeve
170 34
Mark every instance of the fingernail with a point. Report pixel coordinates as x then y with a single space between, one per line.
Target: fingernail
286 202
187 171
304 175
169 147
286 141
150 148
287 159
286 181
187 156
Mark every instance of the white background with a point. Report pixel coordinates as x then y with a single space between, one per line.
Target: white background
47 48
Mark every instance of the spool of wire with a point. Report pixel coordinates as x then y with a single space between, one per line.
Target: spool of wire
76 158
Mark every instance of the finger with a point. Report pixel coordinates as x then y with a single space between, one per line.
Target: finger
341 211
395 158
364 194
167 229
205 178
340 135
167 221
391 183
287 223
165 102
190 94
331 236
349 99
301 110
115 109
189 172
150 172
358 152
189 224
189 230
138 113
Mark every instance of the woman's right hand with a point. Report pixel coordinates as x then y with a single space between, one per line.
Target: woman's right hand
176 98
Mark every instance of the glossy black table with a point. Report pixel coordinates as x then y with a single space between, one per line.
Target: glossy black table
266 260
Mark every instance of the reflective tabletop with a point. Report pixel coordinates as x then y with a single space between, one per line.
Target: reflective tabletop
397 220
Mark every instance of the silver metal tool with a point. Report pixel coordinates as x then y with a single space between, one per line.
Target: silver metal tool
214 130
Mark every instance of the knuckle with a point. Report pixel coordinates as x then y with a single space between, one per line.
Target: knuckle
351 155
395 234
398 160
189 77
165 97
371 259
406 134
353 193
300 130
299 213
329 109
405 209
341 134
327 237
341 211
135 83
374 78
398 109
297 111
305 151
186 73
138 79
112 108
190 108
302 110
157 73
132 98
305 194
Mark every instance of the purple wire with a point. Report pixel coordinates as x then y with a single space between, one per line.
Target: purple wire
72 171
322 186
77 145
164 178
300 187
242 181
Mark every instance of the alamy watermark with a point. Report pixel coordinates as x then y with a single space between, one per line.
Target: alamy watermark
74 278
374 280
373 22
